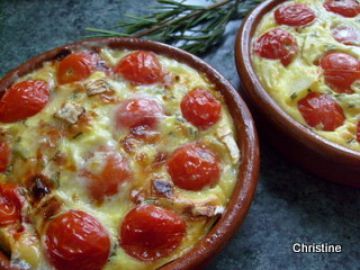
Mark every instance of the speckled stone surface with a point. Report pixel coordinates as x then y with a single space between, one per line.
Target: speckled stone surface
290 205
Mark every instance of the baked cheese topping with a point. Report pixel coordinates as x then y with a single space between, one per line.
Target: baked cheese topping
306 54
113 159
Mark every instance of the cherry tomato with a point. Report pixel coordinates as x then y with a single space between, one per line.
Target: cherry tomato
5 155
346 8
22 100
200 108
140 67
10 204
193 167
77 240
358 132
341 70
149 232
294 15
75 67
347 35
138 112
321 111
277 44
114 170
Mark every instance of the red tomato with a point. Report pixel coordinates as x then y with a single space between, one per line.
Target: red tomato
347 35
5 155
341 70
140 67
149 232
294 15
76 240
321 111
358 132
200 108
114 171
193 167
138 112
346 8
277 44
10 204
75 67
22 100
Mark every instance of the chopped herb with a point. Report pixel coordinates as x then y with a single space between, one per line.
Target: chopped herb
293 96
195 28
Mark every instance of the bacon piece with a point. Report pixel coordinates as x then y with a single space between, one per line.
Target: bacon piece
49 207
70 112
39 186
225 135
96 87
160 159
206 210
162 188
209 207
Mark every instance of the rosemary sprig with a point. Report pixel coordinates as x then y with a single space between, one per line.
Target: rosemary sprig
195 28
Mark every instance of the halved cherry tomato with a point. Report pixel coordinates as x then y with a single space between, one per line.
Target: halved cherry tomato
138 112
23 99
200 108
140 67
193 167
75 67
149 232
321 111
5 155
346 8
358 132
341 70
347 35
277 44
77 240
294 15
105 181
10 204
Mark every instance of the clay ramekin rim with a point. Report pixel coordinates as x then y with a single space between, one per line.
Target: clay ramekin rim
246 137
243 48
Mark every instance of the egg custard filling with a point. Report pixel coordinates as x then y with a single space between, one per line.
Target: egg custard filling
113 159
306 54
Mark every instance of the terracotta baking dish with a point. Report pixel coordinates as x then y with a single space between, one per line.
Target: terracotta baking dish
243 194
295 141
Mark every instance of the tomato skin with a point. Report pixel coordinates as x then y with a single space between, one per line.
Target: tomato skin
193 167
200 108
5 156
23 100
358 132
149 232
277 44
140 67
75 67
294 15
137 112
341 70
346 8
115 171
347 35
10 204
321 111
77 240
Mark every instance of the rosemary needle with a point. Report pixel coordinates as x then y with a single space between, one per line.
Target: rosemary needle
195 28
